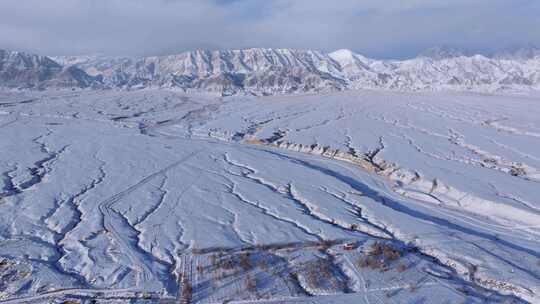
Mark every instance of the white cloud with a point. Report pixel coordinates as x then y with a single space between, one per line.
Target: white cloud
378 28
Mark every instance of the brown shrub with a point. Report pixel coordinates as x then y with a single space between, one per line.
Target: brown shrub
226 264
187 293
251 284
376 264
263 247
261 263
372 262
402 267
376 249
200 269
317 271
325 269
363 262
390 253
325 244
517 171
245 261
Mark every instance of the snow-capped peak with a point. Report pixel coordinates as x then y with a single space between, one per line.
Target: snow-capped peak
342 55
345 56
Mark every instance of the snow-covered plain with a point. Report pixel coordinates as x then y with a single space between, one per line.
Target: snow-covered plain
155 194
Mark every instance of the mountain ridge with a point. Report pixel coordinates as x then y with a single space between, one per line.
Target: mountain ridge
29 71
266 71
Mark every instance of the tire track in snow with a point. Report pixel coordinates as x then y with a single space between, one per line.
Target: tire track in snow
172 210
9 123
156 207
112 220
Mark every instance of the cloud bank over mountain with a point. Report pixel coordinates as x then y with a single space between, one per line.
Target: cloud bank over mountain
375 28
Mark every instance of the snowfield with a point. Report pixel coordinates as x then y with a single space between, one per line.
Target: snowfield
350 197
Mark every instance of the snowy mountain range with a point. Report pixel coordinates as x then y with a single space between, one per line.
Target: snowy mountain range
274 71
28 71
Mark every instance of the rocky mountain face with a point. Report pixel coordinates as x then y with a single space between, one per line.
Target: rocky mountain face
274 71
252 71
27 71
440 71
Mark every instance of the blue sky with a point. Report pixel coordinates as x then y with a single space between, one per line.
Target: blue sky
383 29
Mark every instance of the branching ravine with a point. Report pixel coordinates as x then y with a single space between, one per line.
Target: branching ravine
136 232
251 130
10 188
265 211
445 115
490 283
357 211
349 144
253 178
307 208
419 149
200 113
488 160
237 231
493 161
53 261
368 160
400 176
495 124
250 174
372 155
290 194
162 196
172 210
515 199
39 170
114 221
255 126
515 150
180 245
398 206
75 200
325 122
